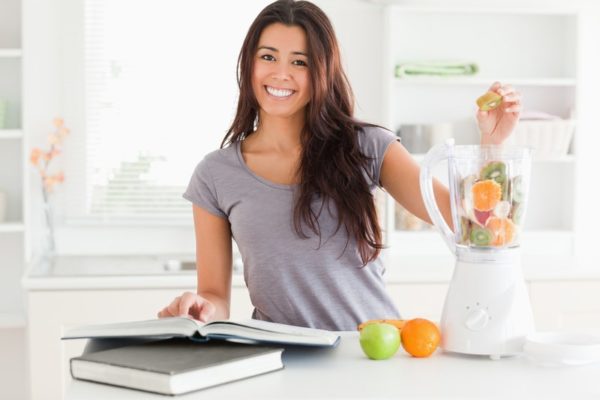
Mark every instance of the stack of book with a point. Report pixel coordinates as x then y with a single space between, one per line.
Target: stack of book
179 355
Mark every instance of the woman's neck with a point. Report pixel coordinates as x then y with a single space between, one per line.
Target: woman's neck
281 134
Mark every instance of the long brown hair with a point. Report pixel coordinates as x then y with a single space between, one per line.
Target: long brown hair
331 164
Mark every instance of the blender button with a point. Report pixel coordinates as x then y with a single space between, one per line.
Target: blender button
477 320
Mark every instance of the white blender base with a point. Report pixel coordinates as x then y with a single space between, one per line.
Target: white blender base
487 309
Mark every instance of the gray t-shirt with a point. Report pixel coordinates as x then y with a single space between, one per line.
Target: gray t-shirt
293 280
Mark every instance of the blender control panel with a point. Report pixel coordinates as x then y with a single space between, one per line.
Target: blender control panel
477 319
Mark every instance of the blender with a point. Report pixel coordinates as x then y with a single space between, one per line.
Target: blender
487 309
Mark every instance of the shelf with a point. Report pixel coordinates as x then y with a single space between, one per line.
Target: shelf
10 53
11 227
12 320
11 134
567 159
478 81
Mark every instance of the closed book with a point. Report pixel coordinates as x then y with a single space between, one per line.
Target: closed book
176 366
251 330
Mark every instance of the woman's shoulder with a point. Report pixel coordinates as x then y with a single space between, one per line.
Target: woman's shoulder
222 155
372 139
219 161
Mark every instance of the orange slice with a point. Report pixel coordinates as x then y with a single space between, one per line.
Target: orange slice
503 230
486 194
398 323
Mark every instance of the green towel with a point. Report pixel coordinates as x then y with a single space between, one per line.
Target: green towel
436 68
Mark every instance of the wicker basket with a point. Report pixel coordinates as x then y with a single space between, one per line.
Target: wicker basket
550 139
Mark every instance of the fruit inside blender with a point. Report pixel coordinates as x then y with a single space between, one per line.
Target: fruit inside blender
491 205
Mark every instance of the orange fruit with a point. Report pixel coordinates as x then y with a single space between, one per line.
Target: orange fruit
420 337
503 230
486 194
398 323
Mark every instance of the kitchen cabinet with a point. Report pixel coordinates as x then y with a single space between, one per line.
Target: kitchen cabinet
13 214
536 50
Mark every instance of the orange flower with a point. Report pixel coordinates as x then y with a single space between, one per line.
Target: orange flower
53 180
63 132
59 122
36 153
54 139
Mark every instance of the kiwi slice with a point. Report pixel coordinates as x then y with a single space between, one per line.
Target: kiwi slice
495 170
489 101
516 213
481 236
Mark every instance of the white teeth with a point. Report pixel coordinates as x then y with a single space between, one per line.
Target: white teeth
279 92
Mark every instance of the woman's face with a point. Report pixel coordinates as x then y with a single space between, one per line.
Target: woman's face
280 78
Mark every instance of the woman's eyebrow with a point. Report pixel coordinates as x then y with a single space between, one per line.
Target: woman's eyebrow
273 49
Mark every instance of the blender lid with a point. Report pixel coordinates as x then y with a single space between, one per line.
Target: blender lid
561 348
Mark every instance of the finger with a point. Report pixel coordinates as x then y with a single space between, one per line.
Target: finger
495 86
207 310
173 308
164 313
512 98
514 109
505 90
481 114
187 301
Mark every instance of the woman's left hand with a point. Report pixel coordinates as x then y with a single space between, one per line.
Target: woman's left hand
496 125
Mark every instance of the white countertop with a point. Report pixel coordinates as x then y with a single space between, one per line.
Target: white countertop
345 372
146 272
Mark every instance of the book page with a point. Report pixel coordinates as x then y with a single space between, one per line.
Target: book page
163 327
266 327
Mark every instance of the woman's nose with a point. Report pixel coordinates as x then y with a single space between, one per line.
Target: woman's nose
282 71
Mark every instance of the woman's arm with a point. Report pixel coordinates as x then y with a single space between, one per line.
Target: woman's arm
213 260
214 268
400 178
400 173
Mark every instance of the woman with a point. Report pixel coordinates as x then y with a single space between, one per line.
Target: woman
293 184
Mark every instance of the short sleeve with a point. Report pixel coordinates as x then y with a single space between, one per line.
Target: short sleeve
374 142
202 191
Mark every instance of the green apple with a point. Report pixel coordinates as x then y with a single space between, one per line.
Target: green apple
379 341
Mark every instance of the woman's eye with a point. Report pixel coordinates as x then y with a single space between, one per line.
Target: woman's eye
267 57
301 63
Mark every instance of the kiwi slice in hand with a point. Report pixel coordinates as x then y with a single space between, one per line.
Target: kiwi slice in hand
489 101
481 236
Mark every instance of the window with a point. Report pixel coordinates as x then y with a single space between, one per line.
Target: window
159 92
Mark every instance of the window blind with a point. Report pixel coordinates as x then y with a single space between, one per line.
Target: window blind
159 93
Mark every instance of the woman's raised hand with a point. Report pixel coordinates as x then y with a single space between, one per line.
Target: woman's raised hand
189 304
496 125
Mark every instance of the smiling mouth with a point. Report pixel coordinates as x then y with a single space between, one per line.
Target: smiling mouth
279 93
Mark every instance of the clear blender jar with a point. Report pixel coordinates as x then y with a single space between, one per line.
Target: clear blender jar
488 194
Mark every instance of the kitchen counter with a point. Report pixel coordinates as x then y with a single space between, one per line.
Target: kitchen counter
113 272
345 372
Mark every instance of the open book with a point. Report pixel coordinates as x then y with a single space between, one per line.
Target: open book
240 331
